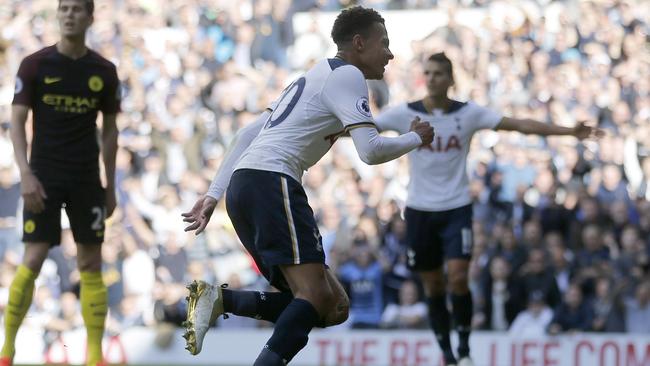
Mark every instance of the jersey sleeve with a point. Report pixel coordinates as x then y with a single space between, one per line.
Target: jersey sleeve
393 119
111 104
485 118
24 88
376 149
345 94
243 138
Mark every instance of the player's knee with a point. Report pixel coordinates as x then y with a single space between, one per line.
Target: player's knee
458 282
34 256
340 312
322 299
89 263
435 287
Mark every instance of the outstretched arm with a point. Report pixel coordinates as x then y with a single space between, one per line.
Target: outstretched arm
199 216
530 126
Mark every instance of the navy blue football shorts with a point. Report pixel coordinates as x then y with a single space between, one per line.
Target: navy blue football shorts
273 220
436 236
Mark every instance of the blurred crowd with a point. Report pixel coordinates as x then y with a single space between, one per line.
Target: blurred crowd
561 229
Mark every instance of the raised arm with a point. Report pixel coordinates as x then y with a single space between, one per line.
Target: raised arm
199 216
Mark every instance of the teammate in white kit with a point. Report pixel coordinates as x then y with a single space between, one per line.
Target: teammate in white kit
439 211
267 204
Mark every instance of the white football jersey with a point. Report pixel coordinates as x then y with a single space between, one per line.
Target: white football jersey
308 117
439 179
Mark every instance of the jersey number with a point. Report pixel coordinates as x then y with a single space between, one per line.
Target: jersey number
100 215
300 84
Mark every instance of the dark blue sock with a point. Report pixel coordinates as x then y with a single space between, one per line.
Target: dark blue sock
440 323
462 313
269 358
256 304
291 332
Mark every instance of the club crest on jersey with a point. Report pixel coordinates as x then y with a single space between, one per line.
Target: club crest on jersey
95 83
19 86
363 106
30 226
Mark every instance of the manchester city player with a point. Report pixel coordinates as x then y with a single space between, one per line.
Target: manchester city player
65 86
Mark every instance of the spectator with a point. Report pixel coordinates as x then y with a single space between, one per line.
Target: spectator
561 260
608 308
500 305
362 277
532 322
592 259
574 314
410 313
637 310
612 187
508 248
393 252
536 275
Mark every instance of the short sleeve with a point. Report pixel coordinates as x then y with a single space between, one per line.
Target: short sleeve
111 104
345 94
24 87
485 118
394 119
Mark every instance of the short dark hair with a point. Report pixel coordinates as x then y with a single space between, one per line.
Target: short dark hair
441 58
355 20
90 6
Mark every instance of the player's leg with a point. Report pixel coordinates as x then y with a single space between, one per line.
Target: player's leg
86 211
425 255
247 189
461 301
93 296
273 219
21 292
288 244
253 304
439 318
40 231
340 311
314 299
457 236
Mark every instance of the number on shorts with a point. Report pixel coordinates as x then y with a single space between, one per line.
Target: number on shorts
300 84
466 234
98 223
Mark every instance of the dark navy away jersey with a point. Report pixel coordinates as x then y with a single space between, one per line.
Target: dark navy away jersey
65 96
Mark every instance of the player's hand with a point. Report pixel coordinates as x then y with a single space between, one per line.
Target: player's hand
582 131
33 193
111 201
423 129
200 214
